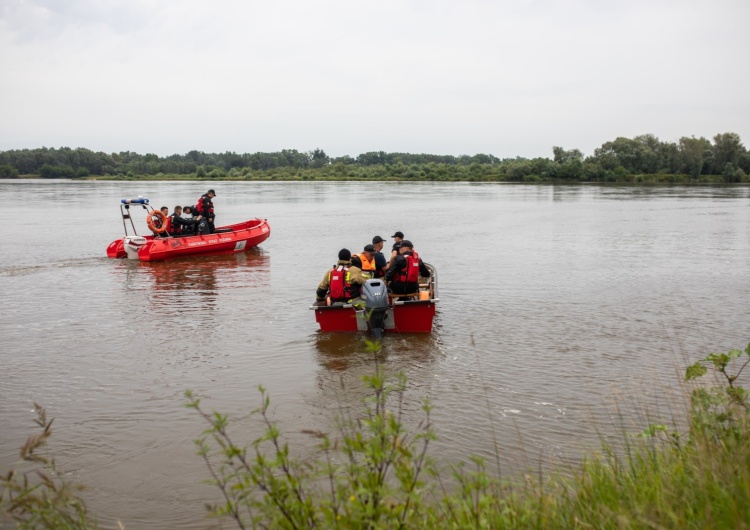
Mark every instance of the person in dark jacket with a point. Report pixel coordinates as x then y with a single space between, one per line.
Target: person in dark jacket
403 275
398 238
205 208
189 216
381 264
182 226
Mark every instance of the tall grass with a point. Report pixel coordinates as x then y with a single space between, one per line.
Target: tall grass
372 473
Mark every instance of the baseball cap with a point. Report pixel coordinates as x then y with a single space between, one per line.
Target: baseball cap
377 239
369 248
398 234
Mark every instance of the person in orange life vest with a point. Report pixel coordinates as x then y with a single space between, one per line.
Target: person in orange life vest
205 208
403 275
343 282
180 226
381 264
367 257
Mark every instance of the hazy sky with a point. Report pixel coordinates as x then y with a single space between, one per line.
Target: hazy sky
504 77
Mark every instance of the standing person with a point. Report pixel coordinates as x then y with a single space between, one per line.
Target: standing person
205 208
342 283
181 226
398 237
367 258
381 264
403 275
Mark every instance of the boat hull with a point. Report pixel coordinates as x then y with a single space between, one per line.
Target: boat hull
226 240
404 317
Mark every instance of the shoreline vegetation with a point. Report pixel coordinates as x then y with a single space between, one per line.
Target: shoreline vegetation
371 472
640 160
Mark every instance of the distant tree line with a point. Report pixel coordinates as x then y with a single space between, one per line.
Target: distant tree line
640 159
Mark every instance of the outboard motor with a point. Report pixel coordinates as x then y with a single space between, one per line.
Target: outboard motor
133 244
374 293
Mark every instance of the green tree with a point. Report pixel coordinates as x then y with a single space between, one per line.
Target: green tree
8 172
727 150
692 155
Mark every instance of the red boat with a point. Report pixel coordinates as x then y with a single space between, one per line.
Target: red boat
228 239
383 311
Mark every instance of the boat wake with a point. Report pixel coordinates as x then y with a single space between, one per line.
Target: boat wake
24 270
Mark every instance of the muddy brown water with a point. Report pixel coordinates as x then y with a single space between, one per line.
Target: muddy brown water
565 313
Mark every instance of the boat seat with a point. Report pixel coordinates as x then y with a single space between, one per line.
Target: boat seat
396 296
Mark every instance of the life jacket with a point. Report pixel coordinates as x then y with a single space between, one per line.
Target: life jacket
368 266
203 201
172 229
340 287
410 273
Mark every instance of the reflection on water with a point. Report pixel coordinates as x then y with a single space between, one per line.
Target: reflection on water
345 359
182 285
339 352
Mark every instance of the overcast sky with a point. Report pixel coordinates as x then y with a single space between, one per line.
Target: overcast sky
504 77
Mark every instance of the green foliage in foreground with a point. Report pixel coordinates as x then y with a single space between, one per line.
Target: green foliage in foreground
372 473
37 497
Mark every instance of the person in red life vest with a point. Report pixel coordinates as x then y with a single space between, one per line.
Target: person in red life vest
367 257
205 208
180 226
342 283
403 275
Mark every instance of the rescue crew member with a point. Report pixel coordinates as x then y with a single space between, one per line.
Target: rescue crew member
367 257
205 208
399 237
381 264
192 227
342 283
403 275
178 225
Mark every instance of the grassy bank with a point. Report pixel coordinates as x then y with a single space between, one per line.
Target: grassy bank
372 473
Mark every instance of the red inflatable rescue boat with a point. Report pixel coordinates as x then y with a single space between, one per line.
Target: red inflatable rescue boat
229 239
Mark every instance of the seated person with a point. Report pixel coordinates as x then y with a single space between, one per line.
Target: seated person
191 228
367 260
181 226
403 275
342 283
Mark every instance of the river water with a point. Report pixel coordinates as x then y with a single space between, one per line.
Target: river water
565 314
